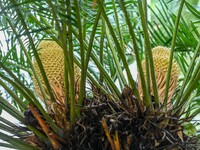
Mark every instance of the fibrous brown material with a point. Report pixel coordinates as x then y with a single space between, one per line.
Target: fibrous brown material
52 58
112 125
161 61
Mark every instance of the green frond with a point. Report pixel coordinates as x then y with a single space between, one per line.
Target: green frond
103 38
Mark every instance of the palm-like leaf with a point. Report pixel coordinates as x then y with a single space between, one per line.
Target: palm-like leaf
97 39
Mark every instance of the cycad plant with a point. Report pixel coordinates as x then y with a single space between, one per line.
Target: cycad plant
66 74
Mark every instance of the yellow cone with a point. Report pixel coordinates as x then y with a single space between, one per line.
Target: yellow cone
52 58
161 60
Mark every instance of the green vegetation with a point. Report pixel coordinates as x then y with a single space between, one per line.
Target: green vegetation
103 38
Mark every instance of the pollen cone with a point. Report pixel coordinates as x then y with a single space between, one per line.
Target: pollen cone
52 58
161 61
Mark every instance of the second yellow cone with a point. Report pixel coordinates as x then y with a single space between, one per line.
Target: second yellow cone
161 61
